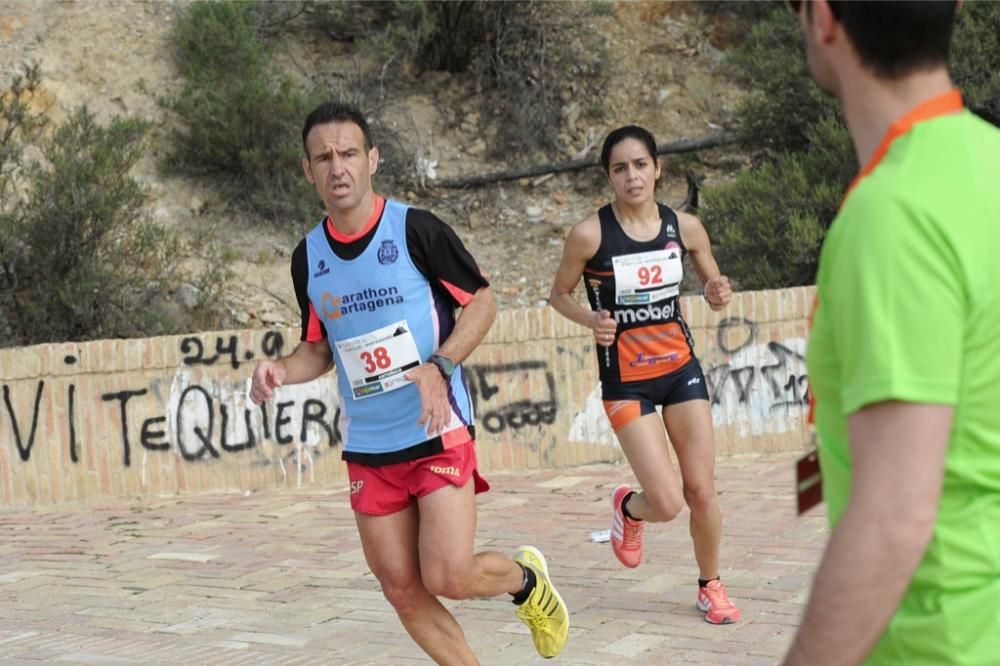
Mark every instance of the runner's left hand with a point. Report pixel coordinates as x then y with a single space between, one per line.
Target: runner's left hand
718 293
435 410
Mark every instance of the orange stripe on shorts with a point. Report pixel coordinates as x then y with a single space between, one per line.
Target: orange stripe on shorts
622 412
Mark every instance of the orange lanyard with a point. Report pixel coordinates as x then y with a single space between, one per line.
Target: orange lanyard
949 102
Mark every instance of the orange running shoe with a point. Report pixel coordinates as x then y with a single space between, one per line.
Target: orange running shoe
626 534
713 601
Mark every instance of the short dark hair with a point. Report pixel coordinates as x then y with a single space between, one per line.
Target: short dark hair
335 112
895 38
628 132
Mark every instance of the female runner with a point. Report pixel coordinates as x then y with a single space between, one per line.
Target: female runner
630 256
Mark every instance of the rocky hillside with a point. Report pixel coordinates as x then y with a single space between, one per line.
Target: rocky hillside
114 57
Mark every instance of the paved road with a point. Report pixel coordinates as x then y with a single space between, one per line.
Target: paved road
278 577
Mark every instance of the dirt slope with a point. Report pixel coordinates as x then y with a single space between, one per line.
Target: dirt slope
114 57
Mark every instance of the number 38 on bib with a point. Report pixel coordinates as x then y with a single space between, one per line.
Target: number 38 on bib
375 362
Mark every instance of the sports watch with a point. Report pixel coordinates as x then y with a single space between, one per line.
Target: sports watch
444 364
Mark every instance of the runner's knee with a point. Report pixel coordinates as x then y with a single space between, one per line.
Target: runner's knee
448 581
663 507
700 497
401 585
407 596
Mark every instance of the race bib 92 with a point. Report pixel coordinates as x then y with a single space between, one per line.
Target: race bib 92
647 277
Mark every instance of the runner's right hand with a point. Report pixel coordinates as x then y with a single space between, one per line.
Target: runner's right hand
267 376
604 328
435 406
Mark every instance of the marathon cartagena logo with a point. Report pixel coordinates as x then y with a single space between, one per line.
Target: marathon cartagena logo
635 315
368 300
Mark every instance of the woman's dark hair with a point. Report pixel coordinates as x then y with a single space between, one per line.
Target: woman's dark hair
628 132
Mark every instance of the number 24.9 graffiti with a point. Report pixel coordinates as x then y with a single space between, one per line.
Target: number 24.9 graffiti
227 348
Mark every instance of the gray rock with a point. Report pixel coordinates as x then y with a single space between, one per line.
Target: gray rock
188 295
272 317
477 148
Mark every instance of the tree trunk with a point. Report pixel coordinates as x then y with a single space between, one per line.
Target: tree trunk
681 146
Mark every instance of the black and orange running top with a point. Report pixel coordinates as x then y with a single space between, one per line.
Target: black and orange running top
639 283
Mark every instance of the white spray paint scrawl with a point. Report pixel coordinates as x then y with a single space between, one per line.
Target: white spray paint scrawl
209 419
762 388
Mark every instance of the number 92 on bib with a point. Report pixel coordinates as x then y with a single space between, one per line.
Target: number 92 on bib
375 362
647 277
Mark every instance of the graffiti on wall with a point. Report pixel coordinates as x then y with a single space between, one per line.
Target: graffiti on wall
209 419
759 385
198 352
517 407
202 420
24 437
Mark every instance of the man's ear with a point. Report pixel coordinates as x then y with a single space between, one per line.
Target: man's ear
820 19
308 170
373 160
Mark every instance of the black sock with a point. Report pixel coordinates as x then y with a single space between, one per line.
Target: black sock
703 583
527 586
625 507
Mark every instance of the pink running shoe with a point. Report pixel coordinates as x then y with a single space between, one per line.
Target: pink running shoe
626 534
713 601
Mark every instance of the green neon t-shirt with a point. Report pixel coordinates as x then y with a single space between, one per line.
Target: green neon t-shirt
909 309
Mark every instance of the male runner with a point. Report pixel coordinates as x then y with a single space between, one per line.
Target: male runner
378 283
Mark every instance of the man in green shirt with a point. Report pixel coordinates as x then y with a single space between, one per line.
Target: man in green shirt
904 352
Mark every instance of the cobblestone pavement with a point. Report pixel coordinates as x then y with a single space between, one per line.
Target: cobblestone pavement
278 577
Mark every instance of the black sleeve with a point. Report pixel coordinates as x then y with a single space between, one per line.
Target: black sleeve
440 255
312 329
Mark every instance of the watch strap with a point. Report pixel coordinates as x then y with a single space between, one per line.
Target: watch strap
444 364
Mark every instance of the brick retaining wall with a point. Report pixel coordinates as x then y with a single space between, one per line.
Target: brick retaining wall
118 418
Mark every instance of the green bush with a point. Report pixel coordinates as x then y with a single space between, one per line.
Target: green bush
528 57
532 60
18 120
80 262
767 225
433 34
240 118
975 57
77 259
783 103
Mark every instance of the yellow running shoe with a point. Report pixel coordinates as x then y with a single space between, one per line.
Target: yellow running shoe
544 610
